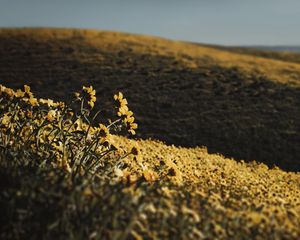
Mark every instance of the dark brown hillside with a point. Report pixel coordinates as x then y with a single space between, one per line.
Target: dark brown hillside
241 106
286 56
283 56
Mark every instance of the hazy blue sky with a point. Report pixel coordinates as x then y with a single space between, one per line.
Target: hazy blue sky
231 22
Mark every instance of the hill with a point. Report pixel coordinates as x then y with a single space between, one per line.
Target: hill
61 178
278 48
242 106
282 53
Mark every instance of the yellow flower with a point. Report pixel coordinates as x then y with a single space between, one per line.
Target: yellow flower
60 105
103 131
78 125
2 88
5 120
129 113
89 90
92 95
27 89
9 92
123 102
58 146
33 101
122 111
92 101
125 113
51 115
132 132
133 126
118 96
19 93
49 102
129 119
253 218
149 175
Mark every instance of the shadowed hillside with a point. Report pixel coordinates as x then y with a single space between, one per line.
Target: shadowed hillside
283 54
242 106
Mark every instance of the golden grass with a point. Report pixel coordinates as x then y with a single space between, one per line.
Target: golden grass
276 70
245 107
238 105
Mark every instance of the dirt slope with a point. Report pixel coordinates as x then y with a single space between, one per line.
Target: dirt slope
245 107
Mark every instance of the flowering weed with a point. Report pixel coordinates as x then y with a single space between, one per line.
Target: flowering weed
63 175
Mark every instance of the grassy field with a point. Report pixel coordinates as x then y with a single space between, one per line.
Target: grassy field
285 55
238 107
241 106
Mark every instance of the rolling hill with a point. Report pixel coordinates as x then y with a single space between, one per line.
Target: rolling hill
238 105
282 53
242 106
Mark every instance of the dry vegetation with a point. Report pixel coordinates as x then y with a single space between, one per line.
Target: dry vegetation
286 56
65 174
62 177
245 107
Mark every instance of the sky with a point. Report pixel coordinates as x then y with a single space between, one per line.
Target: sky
225 22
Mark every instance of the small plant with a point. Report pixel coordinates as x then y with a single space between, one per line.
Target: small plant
58 156
55 133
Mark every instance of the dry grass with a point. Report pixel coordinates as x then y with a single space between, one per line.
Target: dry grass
72 179
275 69
285 56
245 107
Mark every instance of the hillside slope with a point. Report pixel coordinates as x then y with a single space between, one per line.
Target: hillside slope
276 53
60 178
245 107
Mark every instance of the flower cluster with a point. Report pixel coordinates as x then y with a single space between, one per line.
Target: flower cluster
52 155
7 92
125 113
91 95
60 134
87 94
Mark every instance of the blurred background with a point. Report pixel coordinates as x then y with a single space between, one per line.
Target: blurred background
231 22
